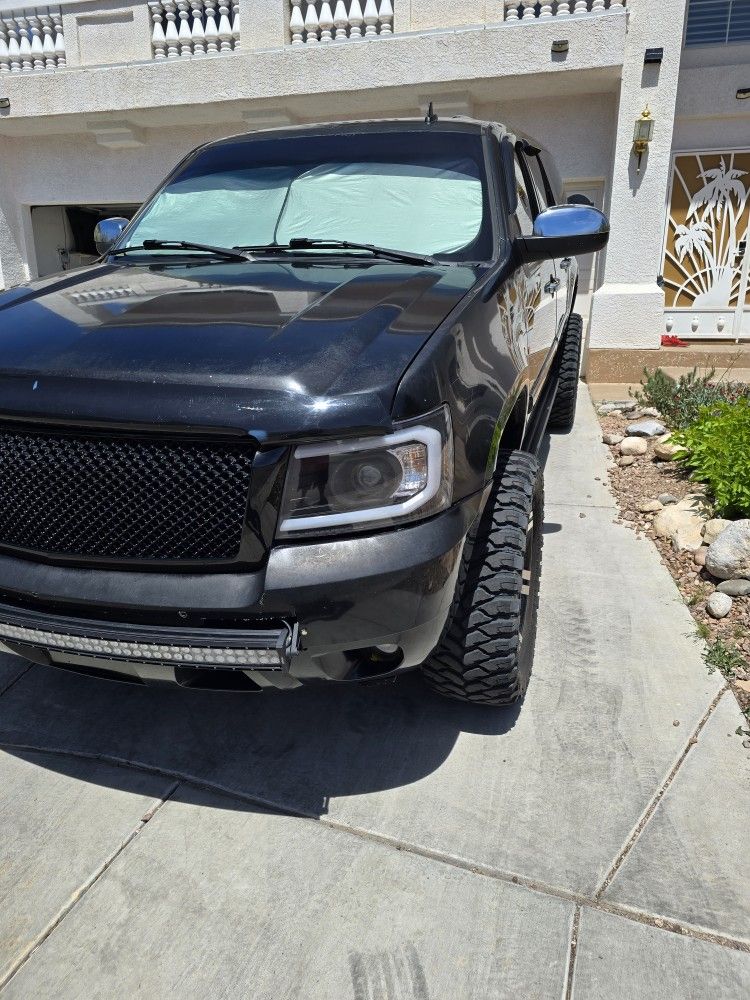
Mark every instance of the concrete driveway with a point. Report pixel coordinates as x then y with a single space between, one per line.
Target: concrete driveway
381 843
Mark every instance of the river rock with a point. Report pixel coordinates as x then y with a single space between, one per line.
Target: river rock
682 522
667 498
713 528
719 605
665 450
735 588
646 428
609 407
633 446
650 506
729 555
611 438
699 556
650 411
625 461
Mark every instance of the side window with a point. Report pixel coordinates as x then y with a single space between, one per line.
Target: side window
525 210
541 190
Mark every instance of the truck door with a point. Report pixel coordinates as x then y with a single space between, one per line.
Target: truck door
541 285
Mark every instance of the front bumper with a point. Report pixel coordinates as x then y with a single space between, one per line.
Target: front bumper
346 609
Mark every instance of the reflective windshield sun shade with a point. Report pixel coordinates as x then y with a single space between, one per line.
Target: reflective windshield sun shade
419 192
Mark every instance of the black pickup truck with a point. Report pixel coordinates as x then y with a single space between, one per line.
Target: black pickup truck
284 431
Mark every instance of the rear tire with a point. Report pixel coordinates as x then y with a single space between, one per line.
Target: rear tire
563 410
486 651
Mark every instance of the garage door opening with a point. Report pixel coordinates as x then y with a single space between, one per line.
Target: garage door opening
64 234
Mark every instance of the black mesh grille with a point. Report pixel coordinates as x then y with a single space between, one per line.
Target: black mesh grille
121 497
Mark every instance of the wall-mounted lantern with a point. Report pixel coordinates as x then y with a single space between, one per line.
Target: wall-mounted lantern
643 134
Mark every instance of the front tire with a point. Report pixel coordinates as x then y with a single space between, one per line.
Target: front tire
563 410
486 651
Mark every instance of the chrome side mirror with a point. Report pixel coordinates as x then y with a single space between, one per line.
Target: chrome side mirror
107 231
565 231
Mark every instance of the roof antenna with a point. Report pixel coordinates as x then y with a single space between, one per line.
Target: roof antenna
430 117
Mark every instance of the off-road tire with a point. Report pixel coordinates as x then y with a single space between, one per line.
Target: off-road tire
563 409
486 650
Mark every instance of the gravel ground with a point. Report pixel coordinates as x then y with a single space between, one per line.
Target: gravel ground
646 479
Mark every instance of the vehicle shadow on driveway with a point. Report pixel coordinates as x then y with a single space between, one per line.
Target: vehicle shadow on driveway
294 749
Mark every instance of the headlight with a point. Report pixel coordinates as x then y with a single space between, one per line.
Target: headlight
370 482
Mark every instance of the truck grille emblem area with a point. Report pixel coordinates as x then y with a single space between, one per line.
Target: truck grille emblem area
122 497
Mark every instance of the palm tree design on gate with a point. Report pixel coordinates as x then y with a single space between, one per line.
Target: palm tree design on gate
706 247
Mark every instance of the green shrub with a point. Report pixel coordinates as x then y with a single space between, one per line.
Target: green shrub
718 446
679 400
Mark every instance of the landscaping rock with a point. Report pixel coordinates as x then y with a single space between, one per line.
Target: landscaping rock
735 588
667 498
625 461
665 450
699 556
650 411
646 428
633 446
729 556
713 528
609 407
682 522
719 605
650 506
611 438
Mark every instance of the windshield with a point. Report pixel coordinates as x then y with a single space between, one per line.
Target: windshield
413 191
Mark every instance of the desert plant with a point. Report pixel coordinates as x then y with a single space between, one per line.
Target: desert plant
718 452
679 400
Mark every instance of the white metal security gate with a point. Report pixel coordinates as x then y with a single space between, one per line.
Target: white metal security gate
706 256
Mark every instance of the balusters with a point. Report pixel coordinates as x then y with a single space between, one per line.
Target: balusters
313 21
386 17
341 20
529 9
356 20
4 54
24 45
186 28
184 34
311 24
371 19
48 42
297 23
59 38
511 10
37 49
581 7
173 42
563 9
225 28
325 20
236 23
158 41
197 33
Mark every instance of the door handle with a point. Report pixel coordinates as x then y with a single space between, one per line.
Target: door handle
552 285
565 263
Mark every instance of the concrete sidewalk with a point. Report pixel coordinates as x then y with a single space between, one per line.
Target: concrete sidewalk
384 844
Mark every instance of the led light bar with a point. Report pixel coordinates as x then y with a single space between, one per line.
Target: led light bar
235 656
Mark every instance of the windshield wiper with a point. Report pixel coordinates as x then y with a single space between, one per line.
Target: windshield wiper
303 243
229 254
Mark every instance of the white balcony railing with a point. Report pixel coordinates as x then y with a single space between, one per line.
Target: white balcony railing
187 28
313 21
31 40
516 10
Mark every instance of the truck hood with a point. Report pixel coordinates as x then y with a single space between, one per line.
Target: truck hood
269 349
